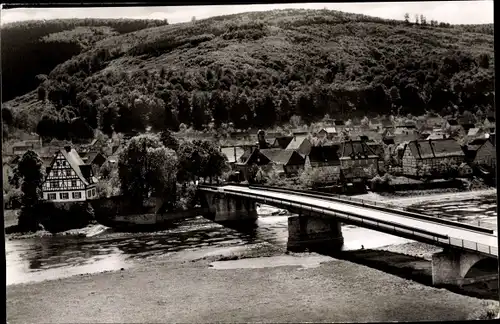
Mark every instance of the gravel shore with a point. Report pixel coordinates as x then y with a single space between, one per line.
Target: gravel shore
176 289
407 201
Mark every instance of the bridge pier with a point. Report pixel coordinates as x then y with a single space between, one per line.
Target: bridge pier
451 266
314 232
225 208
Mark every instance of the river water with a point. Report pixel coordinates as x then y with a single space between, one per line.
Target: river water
46 258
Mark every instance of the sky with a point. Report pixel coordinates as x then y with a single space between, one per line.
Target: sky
454 12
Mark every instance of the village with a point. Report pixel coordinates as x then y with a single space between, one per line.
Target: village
341 153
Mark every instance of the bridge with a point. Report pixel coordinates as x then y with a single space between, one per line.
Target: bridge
318 225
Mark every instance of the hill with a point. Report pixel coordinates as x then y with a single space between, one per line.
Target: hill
260 69
29 48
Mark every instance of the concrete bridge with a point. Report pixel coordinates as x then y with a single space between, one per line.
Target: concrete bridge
319 225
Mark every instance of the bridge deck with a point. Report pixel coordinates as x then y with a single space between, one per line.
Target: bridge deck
459 237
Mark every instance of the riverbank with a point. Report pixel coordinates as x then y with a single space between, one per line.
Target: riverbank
427 196
186 288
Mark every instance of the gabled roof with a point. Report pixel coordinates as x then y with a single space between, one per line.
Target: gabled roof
476 144
422 149
356 149
329 130
230 153
279 156
296 142
473 131
84 172
282 141
378 149
324 154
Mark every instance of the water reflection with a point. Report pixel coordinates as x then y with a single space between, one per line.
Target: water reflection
54 257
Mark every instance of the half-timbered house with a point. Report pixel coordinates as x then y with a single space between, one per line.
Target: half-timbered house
68 178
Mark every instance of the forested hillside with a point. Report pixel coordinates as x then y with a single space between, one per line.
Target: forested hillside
260 69
28 48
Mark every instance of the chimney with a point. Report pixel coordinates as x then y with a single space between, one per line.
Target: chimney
67 148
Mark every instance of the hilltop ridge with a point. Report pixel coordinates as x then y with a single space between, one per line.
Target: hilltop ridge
261 69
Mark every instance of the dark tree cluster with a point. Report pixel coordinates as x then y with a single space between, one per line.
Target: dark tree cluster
217 78
27 50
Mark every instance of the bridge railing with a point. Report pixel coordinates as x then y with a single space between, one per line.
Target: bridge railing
384 226
379 206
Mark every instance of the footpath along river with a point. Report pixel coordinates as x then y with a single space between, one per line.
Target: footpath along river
53 258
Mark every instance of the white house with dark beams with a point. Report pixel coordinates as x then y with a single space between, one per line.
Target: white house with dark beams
68 178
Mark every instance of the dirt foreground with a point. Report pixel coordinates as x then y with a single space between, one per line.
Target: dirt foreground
191 291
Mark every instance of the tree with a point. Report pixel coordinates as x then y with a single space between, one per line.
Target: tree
168 140
365 123
407 18
423 20
484 61
7 117
146 169
416 19
214 163
199 102
29 174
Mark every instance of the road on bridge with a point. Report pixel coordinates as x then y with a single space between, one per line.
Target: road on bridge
433 227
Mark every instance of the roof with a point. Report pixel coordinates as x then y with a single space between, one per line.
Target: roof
452 122
339 122
490 119
422 149
476 144
282 141
356 148
329 130
277 155
230 153
378 149
296 142
473 131
77 164
324 154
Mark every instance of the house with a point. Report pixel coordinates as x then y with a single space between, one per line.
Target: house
8 165
94 159
288 162
232 153
379 150
358 161
327 132
476 132
481 152
430 155
68 178
325 158
23 146
282 142
301 144
490 124
453 127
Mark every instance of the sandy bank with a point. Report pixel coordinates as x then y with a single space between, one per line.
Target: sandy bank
179 290
407 201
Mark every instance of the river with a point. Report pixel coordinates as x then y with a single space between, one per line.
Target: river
47 258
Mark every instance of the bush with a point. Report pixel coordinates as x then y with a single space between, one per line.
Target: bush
316 177
59 217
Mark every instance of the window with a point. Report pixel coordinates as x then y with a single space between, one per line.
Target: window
76 195
68 173
54 184
51 196
93 192
58 163
56 173
64 195
89 193
73 183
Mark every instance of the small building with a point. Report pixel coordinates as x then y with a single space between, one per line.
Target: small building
282 142
68 178
490 124
327 132
476 132
430 154
288 162
325 158
232 153
358 161
379 150
300 144
482 153
94 159
22 147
